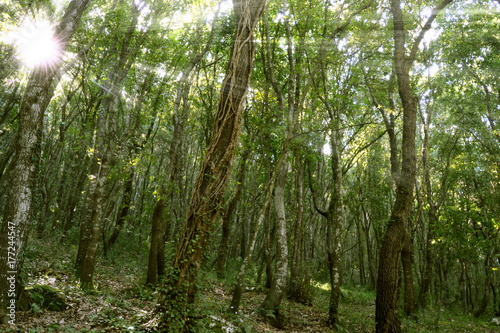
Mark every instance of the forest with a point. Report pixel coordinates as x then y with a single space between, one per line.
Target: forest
249 166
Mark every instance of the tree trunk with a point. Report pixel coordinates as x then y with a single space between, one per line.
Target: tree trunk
297 283
226 219
124 208
74 198
429 259
335 220
406 259
486 292
106 140
157 233
178 292
240 279
369 251
361 254
17 216
267 248
273 298
167 190
386 317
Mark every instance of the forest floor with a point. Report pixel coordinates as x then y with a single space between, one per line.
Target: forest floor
121 302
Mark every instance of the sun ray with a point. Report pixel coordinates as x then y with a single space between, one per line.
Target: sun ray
36 44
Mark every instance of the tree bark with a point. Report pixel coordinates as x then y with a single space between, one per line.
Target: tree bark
297 291
409 294
386 317
361 254
157 233
486 292
105 147
179 290
179 119
273 298
335 220
37 96
240 279
124 208
226 219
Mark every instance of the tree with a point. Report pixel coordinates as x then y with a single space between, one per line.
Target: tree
37 95
179 289
396 233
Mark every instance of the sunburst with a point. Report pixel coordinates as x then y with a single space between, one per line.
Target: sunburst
36 44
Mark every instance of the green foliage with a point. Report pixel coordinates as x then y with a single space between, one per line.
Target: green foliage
46 297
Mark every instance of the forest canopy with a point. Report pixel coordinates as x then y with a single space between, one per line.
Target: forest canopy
280 147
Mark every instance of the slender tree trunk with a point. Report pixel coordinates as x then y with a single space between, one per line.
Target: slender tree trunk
361 254
429 259
178 292
486 292
463 286
335 220
156 238
267 248
240 279
226 219
124 208
275 294
74 198
297 283
369 251
106 140
17 216
166 194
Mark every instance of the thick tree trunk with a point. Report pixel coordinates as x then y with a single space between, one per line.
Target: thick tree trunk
95 226
386 317
409 294
179 291
17 216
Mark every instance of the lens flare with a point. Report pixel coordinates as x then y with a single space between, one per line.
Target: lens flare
37 45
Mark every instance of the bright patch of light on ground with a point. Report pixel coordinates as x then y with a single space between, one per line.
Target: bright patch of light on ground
324 286
36 44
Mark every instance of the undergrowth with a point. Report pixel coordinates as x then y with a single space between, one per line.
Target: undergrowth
122 303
